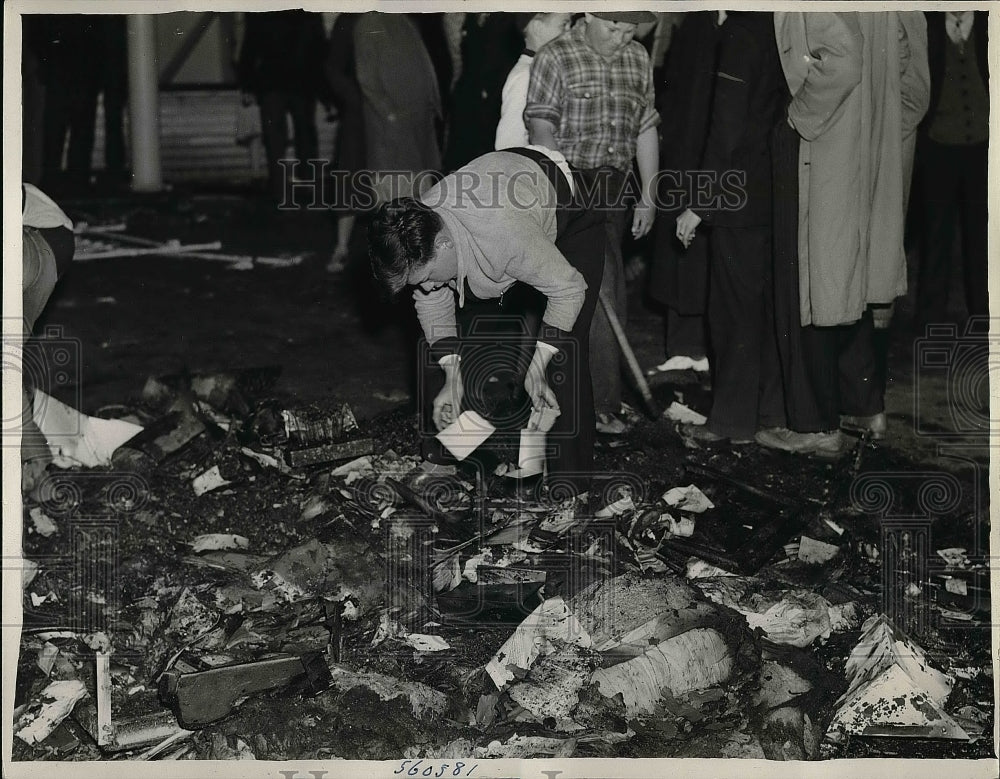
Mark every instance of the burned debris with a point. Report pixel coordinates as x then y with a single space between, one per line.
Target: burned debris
280 564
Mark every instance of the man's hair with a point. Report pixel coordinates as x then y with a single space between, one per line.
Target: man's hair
400 238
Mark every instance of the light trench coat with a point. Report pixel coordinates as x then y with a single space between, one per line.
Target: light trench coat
860 85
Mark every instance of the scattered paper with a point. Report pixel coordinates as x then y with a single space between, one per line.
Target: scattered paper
471 569
43 524
620 506
542 419
683 527
425 643
954 557
816 552
60 697
688 498
210 480
264 459
360 465
893 689
78 439
447 574
463 436
215 542
798 618
531 453
29 570
47 657
678 412
552 620
698 569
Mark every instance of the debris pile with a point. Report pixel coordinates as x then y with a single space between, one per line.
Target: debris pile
284 565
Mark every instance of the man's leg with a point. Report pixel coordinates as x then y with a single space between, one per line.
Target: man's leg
735 315
771 399
939 192
820 351
56 123
274 130
859 387
303 109
571 372
81 134
605 354
685 334
974 221
114 133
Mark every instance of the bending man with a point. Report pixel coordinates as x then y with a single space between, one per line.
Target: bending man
485 246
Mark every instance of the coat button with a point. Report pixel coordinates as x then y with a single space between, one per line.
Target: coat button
586 94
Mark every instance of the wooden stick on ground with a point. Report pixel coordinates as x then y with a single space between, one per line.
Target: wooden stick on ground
163 249
630 359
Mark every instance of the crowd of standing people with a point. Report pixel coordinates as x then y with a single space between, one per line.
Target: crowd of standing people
774 152
769 156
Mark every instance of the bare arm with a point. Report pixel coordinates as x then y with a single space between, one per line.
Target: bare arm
542 133
647 157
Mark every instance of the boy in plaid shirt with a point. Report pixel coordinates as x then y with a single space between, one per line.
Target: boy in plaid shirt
591 97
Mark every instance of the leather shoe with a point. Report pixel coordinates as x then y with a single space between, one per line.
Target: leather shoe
609 424
876 424
702 434
826 444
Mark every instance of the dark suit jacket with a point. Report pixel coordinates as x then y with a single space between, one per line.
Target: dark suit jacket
937 37
749 93
684 98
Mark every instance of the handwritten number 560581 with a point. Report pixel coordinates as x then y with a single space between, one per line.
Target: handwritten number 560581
433 770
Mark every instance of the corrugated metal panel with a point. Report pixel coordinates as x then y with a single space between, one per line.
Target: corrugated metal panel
197 136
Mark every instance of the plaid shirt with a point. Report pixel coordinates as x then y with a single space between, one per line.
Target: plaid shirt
598 106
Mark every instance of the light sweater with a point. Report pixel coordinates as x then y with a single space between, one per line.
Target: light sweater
501 212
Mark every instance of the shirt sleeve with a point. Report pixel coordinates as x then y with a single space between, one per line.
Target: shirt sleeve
511 131
650 117
436 312
915 79
833 73
545 89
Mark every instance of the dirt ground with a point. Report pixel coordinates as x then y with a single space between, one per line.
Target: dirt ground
138 317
